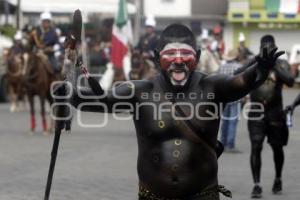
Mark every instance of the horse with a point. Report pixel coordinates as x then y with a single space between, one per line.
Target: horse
15 78
38 78
37 81
141 67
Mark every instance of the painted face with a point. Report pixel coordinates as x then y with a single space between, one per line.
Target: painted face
178 60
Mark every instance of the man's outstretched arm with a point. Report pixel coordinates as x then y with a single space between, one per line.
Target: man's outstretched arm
232 88
123 96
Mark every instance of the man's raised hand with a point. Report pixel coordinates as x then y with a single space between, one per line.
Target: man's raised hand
267 59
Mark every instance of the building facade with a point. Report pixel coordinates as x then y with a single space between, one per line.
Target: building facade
256 18
197 14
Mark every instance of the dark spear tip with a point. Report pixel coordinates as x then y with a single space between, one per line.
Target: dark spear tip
77 25
74 35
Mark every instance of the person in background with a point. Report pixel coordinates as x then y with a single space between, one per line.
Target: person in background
17 48
244 52
209 63
17 51
147 43
218 44
231 110
105 52
295 61
271 122
99 53
45 39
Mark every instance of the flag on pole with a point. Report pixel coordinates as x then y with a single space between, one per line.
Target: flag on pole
289 6
282 6
121 35
272 6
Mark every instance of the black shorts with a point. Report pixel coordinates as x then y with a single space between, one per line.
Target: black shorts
277 132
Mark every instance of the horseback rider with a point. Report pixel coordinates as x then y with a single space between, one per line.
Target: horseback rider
17 50
46 39
148 41
17 47
14 72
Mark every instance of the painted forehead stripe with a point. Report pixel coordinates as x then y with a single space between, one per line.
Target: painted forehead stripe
177 45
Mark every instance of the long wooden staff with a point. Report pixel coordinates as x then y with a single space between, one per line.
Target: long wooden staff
63 111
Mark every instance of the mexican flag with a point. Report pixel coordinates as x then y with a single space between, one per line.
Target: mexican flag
121 35
282 6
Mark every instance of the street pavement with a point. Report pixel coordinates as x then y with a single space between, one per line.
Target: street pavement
100 163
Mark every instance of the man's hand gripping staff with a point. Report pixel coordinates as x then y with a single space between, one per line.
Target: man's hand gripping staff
62 110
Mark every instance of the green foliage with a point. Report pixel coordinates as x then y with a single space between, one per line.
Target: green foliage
8 30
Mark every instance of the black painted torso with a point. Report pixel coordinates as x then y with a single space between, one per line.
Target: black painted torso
169 164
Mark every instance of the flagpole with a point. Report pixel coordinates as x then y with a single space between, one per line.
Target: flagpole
137 21
63 111
84 49
18 17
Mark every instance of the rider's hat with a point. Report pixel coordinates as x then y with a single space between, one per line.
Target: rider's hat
150 21
18 35
242 37
46 16
205 34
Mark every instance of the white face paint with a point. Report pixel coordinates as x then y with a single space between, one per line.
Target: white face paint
178 45
178 60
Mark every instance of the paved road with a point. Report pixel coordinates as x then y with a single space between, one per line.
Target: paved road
101 163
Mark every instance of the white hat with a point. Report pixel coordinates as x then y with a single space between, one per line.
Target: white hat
46 16
58 31
150 21
242 37
204 35
62 39
18 35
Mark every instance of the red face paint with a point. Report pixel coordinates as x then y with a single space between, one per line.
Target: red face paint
178 56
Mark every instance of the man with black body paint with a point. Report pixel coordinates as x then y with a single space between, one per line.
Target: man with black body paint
273 122
175 162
